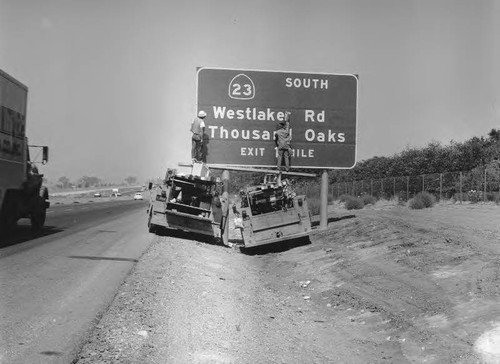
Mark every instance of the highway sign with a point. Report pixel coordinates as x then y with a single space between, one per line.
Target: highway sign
244 108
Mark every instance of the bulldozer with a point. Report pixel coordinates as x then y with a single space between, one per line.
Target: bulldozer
187 202
272 212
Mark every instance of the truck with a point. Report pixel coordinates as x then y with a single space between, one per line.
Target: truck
22 194
187 202
272 212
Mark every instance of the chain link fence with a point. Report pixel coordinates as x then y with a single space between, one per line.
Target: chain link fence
480 184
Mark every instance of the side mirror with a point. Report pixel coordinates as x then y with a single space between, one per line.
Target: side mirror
150 185
45 154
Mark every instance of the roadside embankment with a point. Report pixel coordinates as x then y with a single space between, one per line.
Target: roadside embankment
384 285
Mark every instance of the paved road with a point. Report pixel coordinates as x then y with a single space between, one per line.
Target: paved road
55 285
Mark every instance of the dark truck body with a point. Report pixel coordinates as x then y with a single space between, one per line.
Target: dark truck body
187 203
272 213
21 192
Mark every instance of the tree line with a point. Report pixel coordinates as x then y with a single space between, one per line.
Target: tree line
91 181
476 152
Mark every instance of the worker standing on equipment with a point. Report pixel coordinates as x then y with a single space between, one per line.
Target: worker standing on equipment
282 138
198 130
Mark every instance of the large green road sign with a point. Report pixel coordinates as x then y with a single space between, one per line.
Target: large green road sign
244 107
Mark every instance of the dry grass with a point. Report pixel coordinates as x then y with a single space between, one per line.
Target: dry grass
421 201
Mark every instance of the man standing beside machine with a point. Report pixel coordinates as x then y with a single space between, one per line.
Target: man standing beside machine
198 130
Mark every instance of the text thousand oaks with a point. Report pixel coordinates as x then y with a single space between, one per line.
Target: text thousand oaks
253 114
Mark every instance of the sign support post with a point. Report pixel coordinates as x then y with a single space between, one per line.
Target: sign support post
225 206
323 212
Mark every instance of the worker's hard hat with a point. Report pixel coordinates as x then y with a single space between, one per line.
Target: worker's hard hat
202 114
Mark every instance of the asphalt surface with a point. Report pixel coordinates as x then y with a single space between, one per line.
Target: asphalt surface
56 284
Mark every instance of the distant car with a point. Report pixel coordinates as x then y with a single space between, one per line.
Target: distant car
97 194
138 196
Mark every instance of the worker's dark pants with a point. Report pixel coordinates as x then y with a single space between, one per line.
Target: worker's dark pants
196 149
284 154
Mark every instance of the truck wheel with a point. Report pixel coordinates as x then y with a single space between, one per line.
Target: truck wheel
9 213
38 217
39 213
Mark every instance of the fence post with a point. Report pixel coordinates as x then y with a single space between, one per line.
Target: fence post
423 183
484 195
394 187
440 186
407 188
461 187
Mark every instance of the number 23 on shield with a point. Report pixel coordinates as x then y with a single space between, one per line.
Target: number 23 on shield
241 87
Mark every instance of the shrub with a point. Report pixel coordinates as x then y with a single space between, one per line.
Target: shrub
368 199
427 199
401 195
474 196
416 204
490 196
354 203
312 190
314 205
345 197
330 198
422 200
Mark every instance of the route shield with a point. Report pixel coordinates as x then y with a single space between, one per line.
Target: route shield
245 107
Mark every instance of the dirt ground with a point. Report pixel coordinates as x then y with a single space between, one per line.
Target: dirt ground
381 285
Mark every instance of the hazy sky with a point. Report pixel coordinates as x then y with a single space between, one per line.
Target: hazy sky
112 83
